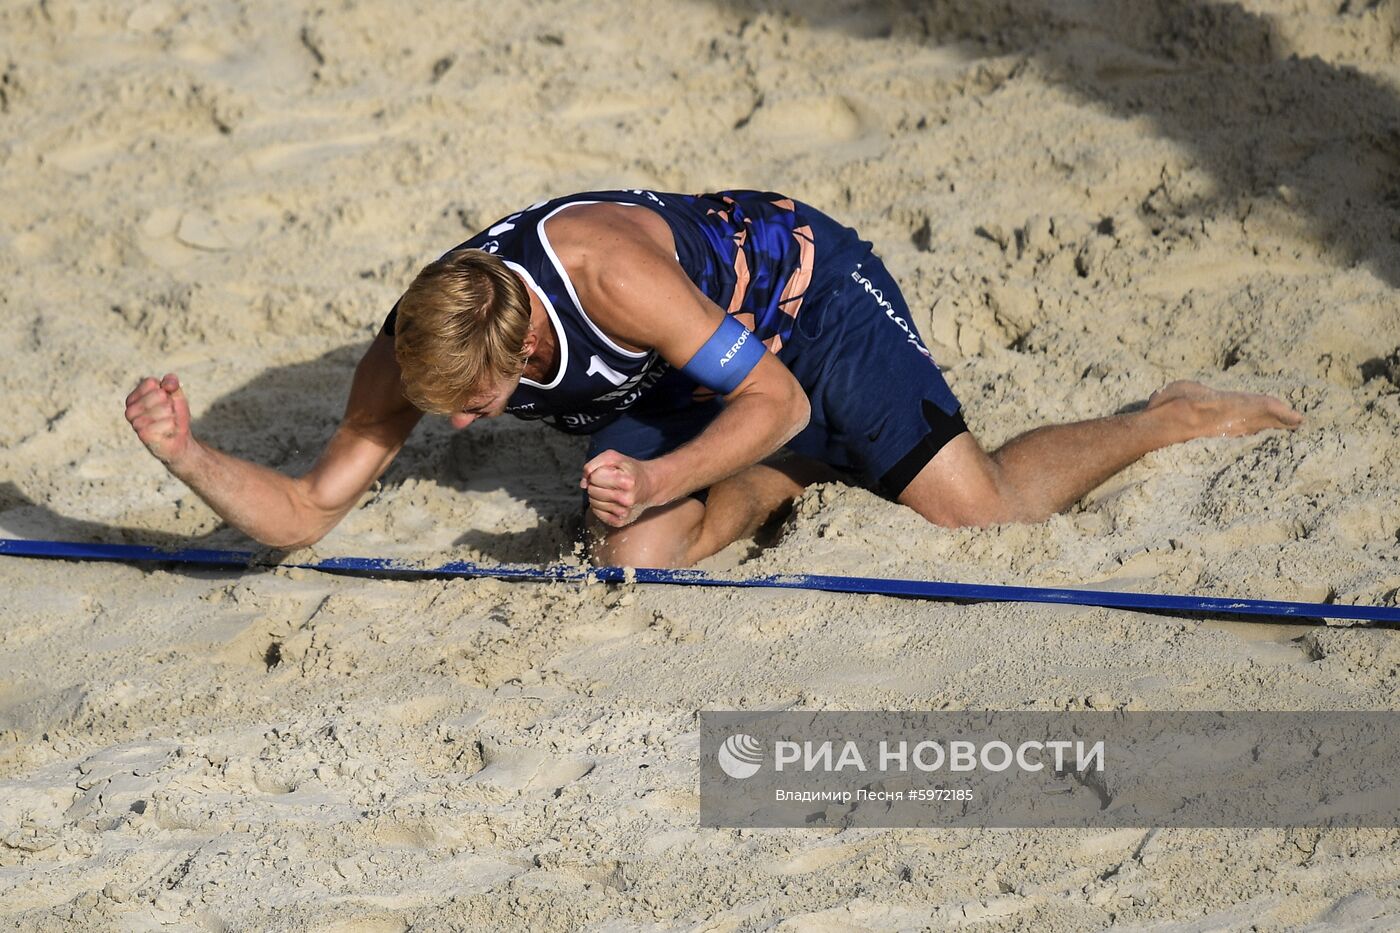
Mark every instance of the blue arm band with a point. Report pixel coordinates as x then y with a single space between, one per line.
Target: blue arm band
727 357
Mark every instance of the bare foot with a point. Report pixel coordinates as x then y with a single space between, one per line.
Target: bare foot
1207 412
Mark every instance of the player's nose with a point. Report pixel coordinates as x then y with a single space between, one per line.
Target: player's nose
462 419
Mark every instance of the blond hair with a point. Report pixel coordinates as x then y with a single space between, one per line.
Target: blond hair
461 324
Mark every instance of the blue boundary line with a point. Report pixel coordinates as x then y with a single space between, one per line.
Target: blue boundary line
923 589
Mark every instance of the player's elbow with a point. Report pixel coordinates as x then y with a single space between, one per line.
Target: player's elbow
799 409
790 408
291 538
778 400
305 521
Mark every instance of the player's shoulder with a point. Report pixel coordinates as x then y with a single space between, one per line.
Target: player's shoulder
595 229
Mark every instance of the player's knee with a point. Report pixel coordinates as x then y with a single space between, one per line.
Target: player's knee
636 545
1002 505
610 548
979 513
996 511
976 494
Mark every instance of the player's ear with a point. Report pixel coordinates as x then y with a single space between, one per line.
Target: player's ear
532 341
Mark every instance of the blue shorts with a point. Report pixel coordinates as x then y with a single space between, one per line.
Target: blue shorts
880 407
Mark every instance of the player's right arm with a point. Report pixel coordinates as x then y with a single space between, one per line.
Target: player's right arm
270 507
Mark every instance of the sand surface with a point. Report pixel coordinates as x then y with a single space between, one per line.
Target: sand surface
1083 200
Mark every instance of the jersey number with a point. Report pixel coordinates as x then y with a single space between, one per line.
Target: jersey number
597 367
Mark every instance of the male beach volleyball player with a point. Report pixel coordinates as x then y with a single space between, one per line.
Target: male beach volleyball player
693 337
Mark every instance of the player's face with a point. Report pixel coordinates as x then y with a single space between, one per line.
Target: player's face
486 402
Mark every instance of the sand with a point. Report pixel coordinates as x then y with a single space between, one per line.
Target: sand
1083 201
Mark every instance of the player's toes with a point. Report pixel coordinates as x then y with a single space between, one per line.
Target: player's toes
1290 417
1279 413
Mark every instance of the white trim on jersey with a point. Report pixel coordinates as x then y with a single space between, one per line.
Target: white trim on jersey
559 334
569 286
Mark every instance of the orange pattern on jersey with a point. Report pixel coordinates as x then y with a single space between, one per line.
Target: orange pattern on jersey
794 290
790 302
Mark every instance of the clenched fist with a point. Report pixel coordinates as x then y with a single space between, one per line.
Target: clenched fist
619 488
161 417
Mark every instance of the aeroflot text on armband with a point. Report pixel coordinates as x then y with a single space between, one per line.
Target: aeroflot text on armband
956 755
734 349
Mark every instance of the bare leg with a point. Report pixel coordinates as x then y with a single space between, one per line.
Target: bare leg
683 532
1046 470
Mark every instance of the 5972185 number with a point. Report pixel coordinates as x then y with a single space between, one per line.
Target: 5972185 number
940 794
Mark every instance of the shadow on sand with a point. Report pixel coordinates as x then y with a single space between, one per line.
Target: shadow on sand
1320 140
282 417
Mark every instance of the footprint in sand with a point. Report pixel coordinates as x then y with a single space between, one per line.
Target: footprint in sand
806 122
173 236
170 237
117 783
312 153
27 709
82 157
525 770
816 858
202 230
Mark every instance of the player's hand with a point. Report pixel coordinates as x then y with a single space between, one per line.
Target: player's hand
619 488
160 415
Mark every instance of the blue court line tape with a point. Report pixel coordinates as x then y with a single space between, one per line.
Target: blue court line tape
923 589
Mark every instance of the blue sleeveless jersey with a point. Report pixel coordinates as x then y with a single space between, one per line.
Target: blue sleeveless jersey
749 252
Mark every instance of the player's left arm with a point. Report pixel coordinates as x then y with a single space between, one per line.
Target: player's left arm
631 284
